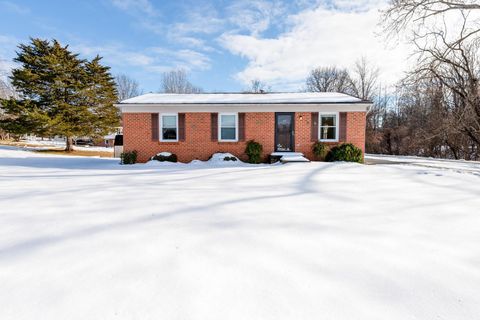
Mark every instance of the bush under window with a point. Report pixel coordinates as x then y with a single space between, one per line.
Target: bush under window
345 152
320 150
254 151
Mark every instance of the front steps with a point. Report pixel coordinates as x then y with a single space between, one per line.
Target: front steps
285 157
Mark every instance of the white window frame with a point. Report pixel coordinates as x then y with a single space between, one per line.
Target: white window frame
220 126
337 125
161 126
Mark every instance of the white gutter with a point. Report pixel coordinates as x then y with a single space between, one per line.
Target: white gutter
265 107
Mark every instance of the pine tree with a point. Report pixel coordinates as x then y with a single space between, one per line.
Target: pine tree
100 94
60 94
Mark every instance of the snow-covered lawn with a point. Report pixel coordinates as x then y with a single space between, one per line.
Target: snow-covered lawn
85 238
57 144
454 165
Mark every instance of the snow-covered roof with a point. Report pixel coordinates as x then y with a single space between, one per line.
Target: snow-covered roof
244 98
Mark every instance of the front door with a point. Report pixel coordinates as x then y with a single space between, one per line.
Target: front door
284 124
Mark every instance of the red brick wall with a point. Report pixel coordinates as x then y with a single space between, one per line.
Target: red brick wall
356 126
259 126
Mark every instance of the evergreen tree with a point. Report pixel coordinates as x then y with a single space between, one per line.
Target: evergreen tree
60 94
100 94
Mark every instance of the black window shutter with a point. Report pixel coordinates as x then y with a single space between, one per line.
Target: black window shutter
181 126
155 129
241 126
314 127
342 135
214 126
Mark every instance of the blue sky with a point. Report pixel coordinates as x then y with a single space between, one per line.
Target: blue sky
222 44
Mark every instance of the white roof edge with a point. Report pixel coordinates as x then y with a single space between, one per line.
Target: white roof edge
193 108
233 105
242 98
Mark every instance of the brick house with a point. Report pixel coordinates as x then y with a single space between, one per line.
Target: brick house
194 126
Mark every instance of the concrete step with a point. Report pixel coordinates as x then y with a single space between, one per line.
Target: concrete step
288 157
293 158
281 154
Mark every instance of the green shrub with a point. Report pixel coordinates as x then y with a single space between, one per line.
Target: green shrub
254 151
128 157
230 159
320 150
165 156
345 152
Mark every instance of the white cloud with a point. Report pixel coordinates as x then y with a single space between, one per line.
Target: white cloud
357 5
255 16
144 13
189 60
196 23
14 7
333 34
7 51
201 20
136 6
154 59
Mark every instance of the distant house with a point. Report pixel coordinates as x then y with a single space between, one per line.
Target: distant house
109 140
194 126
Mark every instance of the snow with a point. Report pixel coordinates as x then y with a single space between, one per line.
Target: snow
288 158
110 136
164 154
219 158
86 238
240 98
93 149
49 144
456 165
281 154
38 142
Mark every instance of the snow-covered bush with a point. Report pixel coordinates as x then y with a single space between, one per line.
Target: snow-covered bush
320 150
254 151
345 152
129 157
219 158
165 156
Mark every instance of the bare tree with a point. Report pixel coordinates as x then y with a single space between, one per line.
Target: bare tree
126 87
407 14
364 79
6 91
258 86
456 67
176 81
329 79
447 57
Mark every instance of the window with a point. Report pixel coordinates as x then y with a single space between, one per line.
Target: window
228 127
169 127
328 128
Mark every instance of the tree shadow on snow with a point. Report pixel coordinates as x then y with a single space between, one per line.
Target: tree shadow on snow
302 186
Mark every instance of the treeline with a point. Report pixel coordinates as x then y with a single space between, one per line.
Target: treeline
425 118
435 110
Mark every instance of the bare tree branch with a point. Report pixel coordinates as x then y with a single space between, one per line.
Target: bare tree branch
258 86
176 81
126 87
329 79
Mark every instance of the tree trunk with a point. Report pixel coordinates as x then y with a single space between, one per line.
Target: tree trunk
69 146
